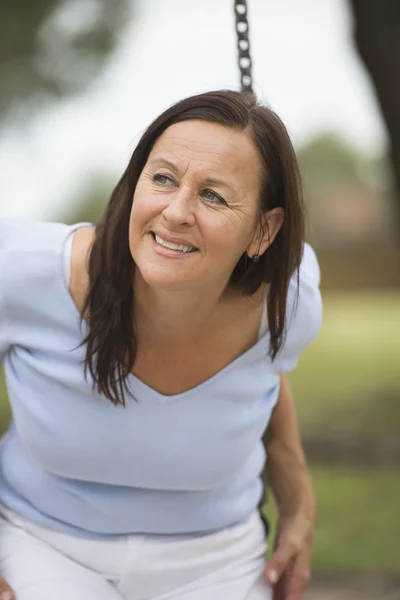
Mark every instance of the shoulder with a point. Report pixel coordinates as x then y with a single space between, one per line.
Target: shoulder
18 234
31 256
31 236
303 311
309 272
78 283
26 242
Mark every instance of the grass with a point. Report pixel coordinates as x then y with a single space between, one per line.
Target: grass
358 520
350 374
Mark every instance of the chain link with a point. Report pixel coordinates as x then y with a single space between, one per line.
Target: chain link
243 46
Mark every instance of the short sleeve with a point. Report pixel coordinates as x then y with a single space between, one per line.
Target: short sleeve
303 312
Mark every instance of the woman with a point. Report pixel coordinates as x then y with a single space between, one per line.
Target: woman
145 358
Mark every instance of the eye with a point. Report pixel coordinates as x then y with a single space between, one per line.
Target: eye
213 197
163 180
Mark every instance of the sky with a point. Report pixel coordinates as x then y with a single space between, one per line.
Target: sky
304 67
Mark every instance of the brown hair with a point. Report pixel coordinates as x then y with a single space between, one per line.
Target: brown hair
111 341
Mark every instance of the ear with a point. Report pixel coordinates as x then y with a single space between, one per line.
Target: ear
271 222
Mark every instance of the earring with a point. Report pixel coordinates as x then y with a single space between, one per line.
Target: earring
255 258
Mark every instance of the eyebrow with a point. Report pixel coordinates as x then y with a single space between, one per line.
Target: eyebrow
208 180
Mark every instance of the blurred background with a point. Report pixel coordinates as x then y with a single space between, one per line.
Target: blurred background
79 82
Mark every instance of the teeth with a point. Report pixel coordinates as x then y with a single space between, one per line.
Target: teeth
173 246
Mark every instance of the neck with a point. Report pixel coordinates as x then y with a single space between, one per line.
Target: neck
177 314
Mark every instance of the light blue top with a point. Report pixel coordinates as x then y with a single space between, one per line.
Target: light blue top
71 460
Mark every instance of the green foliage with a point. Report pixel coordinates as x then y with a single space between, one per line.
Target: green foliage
346 192
328 159
91 202
53 47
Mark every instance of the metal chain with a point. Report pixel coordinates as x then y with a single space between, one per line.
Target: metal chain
243 46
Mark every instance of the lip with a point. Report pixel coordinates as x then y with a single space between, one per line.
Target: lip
173 239
168 252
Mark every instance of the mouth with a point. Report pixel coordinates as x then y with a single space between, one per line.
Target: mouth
170 246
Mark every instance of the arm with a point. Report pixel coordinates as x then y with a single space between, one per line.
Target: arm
287 470
290 481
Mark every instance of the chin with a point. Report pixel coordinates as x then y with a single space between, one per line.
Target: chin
164 279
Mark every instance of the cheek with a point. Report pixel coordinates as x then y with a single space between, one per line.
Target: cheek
146 205
137 204
137 221
140 212
227 237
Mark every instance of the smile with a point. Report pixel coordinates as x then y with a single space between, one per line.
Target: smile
177 247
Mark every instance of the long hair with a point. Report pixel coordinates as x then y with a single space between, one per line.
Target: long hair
111 343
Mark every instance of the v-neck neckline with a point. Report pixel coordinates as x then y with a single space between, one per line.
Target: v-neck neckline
247 356
132 380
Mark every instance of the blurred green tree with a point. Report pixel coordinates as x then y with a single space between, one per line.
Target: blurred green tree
328 158
51 48
88 205
336 172
377 38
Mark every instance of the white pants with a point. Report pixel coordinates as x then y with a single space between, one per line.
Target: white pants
42 564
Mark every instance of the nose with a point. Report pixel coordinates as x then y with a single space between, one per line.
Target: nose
180 208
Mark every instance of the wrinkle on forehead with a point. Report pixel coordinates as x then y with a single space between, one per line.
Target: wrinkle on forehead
232 156
197 148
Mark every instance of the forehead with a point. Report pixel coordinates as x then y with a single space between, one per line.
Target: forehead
209 146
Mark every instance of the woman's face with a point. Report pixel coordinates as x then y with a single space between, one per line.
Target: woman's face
194 210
